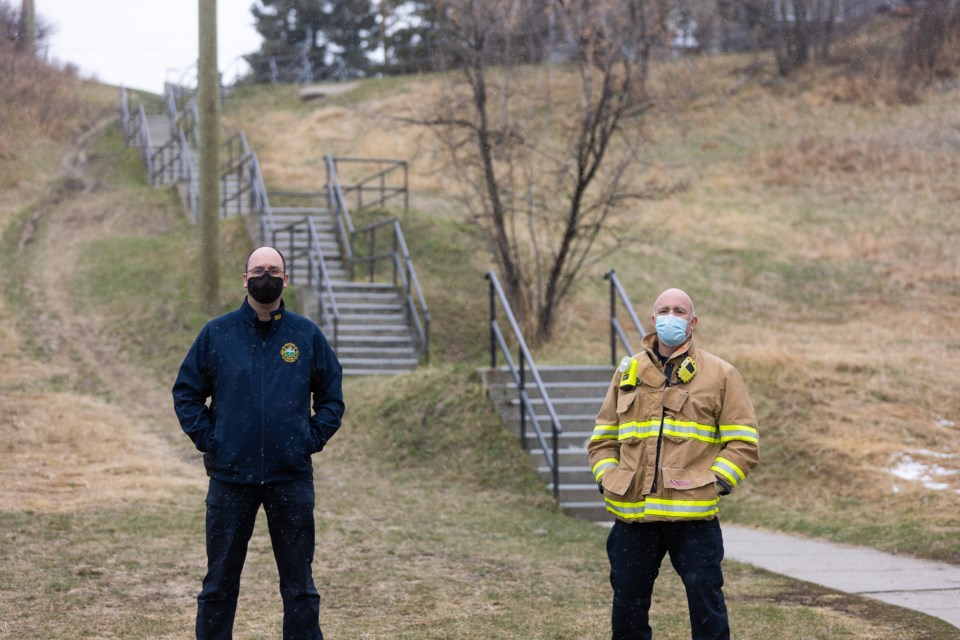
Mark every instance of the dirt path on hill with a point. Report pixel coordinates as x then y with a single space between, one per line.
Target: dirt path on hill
81 212
71 447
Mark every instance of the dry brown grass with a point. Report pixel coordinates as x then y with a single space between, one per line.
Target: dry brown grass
65 452
411 544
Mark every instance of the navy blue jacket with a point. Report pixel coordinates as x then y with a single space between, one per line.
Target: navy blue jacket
258 427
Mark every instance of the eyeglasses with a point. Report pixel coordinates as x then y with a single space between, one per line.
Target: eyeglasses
256 272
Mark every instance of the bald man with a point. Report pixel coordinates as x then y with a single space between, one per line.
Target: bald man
675 432
274 386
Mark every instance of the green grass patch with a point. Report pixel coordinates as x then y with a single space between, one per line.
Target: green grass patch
149 288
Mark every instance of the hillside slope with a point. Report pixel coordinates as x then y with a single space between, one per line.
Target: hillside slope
427 514
819 239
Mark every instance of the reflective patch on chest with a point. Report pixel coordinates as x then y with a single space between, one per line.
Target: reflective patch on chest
289 352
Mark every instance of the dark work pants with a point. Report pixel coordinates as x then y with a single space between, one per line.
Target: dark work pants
695 548
231 513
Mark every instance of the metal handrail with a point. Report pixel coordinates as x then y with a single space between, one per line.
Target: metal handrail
187 174
166 161
404 271
146 146
242 161
386 193
616 329
526 408
171 100
341 213
316 264
124 114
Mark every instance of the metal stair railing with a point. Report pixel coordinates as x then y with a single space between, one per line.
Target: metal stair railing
187 175
403 271
126 122
526 360
399 255
616 329
144 142
241 164
376 182
341 213
166 162
318 277
180 164
244 165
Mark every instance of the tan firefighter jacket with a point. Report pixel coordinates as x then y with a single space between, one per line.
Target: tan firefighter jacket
657 449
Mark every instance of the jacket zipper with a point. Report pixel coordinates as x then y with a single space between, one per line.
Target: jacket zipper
668 370
263 350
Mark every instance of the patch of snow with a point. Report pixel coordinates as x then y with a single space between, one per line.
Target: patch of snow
930 475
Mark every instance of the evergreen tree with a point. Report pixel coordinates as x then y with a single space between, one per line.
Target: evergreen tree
306 40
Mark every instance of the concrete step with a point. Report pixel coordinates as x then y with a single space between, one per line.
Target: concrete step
572 407
578 492
379 341
375 350
576 393
371 321
566 440
556 373
359 308
595 511
569 474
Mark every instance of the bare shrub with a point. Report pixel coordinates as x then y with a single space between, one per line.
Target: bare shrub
931 47
35 98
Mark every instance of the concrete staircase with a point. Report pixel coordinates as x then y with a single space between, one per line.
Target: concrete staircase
373 334
576 393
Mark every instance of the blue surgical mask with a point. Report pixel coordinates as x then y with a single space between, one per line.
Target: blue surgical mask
672 330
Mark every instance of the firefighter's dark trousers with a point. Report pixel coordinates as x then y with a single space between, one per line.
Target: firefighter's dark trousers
231 512
695 548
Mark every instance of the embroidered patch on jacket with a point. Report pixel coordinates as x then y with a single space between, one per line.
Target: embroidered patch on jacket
289 352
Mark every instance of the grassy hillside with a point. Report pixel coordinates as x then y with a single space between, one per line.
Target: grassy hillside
430 523
818 238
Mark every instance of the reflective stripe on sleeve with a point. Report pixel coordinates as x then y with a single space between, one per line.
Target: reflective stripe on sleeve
728 470
605 432
743 432
600 468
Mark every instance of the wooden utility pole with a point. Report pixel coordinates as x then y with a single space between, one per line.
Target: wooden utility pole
209 148
27 42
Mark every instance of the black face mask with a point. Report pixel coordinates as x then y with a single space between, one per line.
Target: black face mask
265 289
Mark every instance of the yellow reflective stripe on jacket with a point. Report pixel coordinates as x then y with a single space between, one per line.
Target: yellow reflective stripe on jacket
728 470
605 432
634 429
600 468
690 429
730 432
662 507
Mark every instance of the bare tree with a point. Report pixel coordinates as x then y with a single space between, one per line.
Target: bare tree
797 31
542 151
27 41
932 42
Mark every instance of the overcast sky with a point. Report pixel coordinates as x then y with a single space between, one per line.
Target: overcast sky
142 43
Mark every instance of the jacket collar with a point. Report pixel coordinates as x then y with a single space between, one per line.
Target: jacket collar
250 316
650 342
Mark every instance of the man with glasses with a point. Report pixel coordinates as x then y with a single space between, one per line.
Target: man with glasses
263 368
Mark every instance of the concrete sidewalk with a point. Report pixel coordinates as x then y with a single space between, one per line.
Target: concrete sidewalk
929 587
